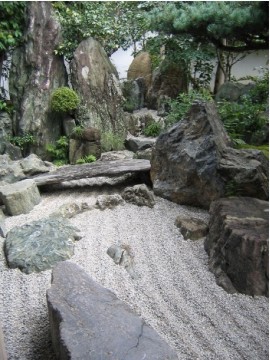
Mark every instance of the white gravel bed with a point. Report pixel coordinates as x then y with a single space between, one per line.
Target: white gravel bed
173 290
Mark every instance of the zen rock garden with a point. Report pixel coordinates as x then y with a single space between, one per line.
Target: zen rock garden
191 163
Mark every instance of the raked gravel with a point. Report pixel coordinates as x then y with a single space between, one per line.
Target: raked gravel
173 290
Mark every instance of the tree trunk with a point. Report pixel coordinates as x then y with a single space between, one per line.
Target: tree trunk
219 78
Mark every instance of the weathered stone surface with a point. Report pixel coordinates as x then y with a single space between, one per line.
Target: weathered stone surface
5 129
89 322
232 91
10 171
68 125
96 81
96 169
117 155
13 151
3 230
135 144
134 94
20 197
3 353
141 68
37 246
139 195
144 154
237 244
193 162
191 228
33 165
35 72
123 255
108 201
144 117
79 148
168 80
70 210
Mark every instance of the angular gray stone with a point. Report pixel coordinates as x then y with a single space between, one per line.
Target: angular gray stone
191 228
231 91
70 210
117 155
35 72
68 125
135 144
3 230
123 255
10 171
33 165
238 246
144 154
139 195
78 149
95 79
193 163
37 246
89 322
134 93
20 197
108 201
13 151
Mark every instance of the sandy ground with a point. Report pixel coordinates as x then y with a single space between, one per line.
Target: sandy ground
173 290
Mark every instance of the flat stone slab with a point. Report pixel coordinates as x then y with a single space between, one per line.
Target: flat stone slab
20 197
88 321
97 169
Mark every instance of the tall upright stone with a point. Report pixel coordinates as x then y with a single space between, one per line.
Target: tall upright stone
95 79
35 72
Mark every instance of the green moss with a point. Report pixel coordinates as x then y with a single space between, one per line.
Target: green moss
263 148
64 100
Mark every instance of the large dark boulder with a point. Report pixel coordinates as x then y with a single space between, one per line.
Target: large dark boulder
89 322
95 79
237 244
35 72
193 163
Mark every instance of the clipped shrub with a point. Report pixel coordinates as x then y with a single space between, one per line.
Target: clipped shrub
64 100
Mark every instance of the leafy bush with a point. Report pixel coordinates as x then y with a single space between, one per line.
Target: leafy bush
64 100
86 159
78 130
22 141
111 141
153 129
245 119
59 151
180 106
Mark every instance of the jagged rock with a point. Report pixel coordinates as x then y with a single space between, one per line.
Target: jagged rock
70 210
139 195
168 81
5 130
141 67
89 321
134 143
35 72
231 91
33 165
68 126
134 93
13 151
37 246
20 197
191 228
237 244
123 255
108 201
193 162
144 154
117 155
3 230
144 117
96 81
78 149
10 171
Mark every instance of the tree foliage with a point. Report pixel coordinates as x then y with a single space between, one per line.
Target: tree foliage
244 24
113 24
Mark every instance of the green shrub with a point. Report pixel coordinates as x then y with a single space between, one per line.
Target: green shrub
111 141
181 105
59 151
245 120
64 100
263 148
86 159
153 129
22 141
78 130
